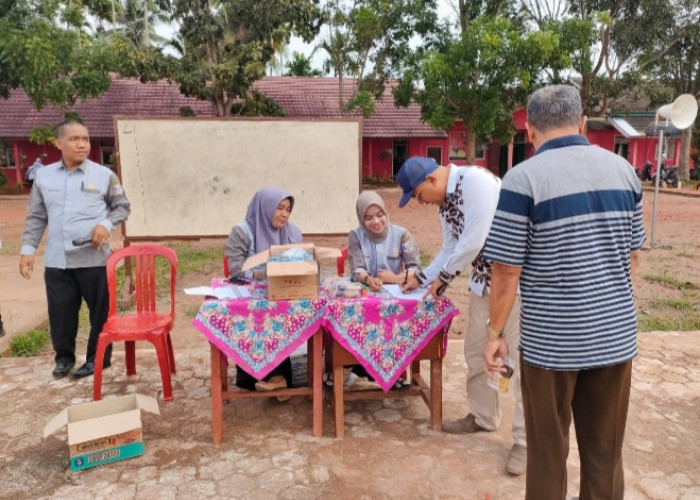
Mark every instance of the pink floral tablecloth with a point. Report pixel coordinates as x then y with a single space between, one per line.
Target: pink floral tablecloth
385 334
258 334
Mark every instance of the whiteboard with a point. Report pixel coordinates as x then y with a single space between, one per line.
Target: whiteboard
192 177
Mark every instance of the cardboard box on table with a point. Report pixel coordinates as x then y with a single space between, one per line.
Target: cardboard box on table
103 431
292 280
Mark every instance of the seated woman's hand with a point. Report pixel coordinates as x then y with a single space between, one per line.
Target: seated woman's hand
375 284
389 277
409 284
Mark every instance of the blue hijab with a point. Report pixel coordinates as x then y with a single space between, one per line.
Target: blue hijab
261 210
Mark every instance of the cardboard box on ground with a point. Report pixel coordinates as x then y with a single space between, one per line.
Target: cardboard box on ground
295 279
103 431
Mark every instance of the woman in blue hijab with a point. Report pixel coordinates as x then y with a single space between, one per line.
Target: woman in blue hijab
266 223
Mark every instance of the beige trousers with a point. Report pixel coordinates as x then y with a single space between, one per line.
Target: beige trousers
483 399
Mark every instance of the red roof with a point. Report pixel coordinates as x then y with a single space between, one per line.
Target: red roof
318 98
127 97
297 96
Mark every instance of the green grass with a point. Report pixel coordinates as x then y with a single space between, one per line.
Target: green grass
683 305
686 254
684 323
197 259
665 279
29 344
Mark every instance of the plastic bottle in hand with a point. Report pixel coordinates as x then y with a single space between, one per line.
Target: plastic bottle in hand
501 380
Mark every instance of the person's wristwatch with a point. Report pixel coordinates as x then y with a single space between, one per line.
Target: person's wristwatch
493 333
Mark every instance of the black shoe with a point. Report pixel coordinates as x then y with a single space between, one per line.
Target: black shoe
2 330
88 369
62 369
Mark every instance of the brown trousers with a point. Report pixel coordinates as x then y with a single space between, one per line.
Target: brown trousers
598 399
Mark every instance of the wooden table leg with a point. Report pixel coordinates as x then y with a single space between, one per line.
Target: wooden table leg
436 394
317 383
217 424
415 373
338 403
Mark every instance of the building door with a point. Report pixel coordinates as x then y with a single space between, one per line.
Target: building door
519 148
400 151
435 152
622 147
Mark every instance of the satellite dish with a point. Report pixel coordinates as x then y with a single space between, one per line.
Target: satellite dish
681 112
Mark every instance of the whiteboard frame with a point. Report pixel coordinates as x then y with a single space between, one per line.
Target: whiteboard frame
305 196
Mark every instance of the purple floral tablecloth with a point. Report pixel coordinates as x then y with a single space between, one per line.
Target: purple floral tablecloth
385 334
258 334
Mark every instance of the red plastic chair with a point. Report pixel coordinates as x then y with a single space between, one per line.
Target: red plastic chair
226 271
341 261
147 323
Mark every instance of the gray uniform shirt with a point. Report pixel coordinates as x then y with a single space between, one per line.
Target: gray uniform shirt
366 256
239 246
71 204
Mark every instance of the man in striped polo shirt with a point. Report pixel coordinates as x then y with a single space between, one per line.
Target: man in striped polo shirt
567 229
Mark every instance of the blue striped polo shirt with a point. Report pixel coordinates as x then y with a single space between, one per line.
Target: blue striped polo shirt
569 217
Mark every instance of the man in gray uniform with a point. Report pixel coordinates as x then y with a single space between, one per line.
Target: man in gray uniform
77 199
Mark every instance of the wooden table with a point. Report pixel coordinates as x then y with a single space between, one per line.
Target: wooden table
431 393
386 335
257 334
220 392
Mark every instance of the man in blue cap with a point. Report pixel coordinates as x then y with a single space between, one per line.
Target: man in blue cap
467 198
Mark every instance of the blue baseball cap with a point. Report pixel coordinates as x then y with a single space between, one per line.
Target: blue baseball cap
412 173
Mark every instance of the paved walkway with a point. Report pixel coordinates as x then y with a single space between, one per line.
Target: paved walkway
388 452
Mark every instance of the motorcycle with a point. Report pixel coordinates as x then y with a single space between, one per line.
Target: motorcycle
667 177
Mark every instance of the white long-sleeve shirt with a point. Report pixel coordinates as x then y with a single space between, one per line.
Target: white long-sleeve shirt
470 204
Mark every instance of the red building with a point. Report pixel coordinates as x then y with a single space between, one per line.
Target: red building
389 136
125 97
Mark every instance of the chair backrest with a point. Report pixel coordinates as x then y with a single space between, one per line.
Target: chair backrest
143 274
226 270
341 261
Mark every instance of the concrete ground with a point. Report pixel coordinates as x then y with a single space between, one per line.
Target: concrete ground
268 452
388 451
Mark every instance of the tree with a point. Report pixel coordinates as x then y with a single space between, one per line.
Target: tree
602 40
674 63
136 20
229 43
369 42
478 77
257 104
300 65
46 50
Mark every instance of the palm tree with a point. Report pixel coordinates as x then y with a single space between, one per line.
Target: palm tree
136 20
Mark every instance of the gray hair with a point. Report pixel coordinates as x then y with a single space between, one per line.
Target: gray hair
554 107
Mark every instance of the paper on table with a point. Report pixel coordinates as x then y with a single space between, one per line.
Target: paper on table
222 292
395 291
